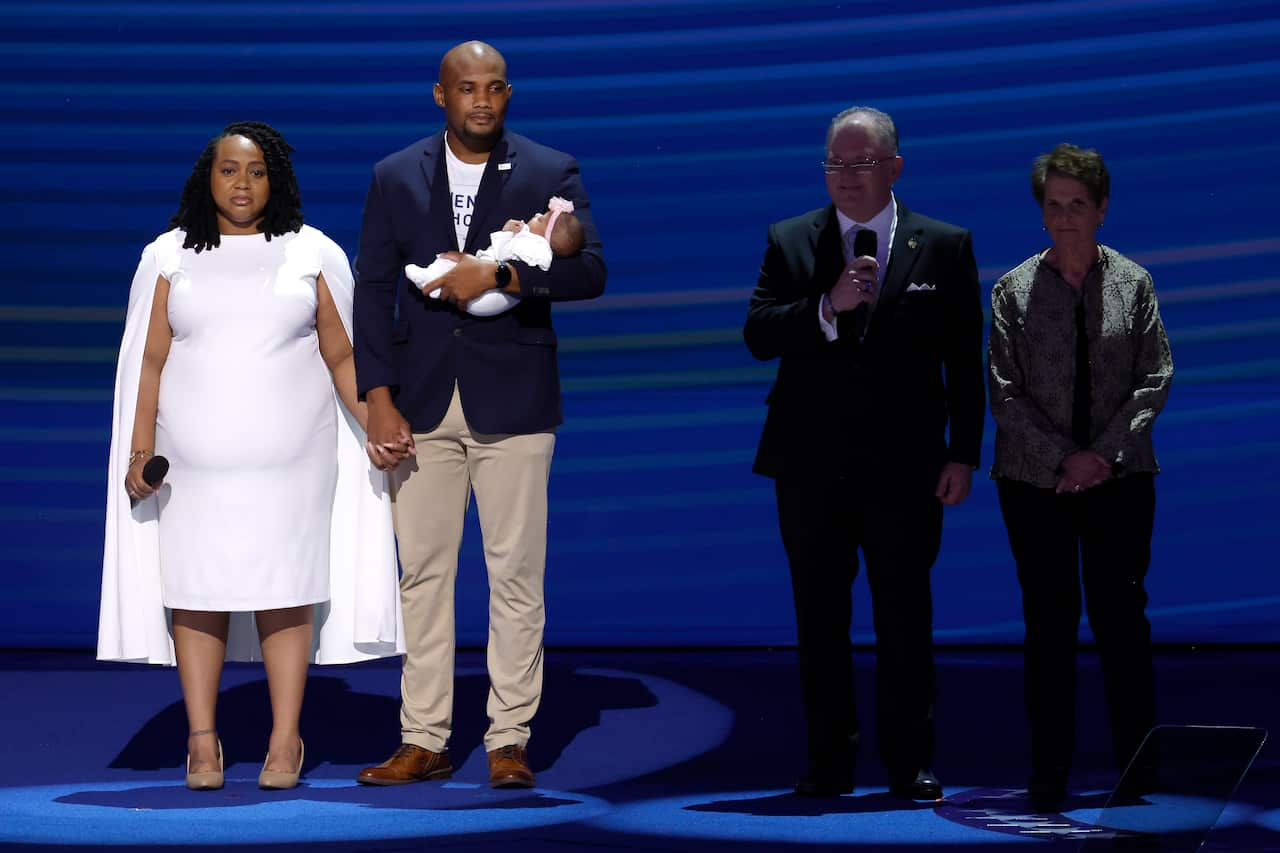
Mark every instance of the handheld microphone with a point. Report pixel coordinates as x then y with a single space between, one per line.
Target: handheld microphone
155 469
152 473
864 243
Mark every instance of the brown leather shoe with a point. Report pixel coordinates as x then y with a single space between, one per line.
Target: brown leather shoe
407 764
509 768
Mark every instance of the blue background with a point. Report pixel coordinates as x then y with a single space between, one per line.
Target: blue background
696 124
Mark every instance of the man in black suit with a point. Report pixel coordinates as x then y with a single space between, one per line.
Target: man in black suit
874 424
459 403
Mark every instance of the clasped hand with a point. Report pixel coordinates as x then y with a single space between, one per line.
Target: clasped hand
388 440
1082 470
470 278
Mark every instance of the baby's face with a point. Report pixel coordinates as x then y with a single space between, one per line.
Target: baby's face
538 224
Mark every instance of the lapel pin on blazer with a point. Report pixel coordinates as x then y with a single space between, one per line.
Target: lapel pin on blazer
913 244
504 167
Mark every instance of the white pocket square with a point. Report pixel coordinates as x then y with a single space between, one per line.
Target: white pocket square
915 288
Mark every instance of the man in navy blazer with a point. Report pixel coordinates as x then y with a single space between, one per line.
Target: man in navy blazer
459 403
874 424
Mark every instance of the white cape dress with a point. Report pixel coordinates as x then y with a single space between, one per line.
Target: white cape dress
361 620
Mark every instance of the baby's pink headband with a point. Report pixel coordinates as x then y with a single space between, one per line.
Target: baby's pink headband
557 206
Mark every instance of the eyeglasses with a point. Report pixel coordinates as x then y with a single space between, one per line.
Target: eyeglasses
835 167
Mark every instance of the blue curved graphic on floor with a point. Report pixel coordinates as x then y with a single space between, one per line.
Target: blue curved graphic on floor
319 810
643 723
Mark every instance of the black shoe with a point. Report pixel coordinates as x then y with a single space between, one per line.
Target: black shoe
825 783
925 787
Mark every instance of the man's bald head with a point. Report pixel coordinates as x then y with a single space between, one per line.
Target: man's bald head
468 52
473 92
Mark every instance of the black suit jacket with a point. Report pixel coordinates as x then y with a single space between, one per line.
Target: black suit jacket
505 366
893 408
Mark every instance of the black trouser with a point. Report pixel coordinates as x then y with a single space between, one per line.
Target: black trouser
1106 531
823 525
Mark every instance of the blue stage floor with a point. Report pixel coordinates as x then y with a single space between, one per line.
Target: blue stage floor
635 750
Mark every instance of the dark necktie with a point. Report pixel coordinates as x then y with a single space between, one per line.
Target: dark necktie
1080 427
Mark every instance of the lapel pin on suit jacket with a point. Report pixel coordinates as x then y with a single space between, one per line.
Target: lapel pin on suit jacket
504 167
913 244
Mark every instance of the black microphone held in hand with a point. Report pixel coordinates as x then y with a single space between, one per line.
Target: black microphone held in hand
864 243
152 473
155 469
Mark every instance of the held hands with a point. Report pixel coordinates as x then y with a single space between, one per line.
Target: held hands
389 441
1082 470
857 285
361 413
954 483
470 278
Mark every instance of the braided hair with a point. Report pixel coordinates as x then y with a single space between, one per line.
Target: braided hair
198 216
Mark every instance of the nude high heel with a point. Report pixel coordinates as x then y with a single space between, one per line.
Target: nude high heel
281 780
205 780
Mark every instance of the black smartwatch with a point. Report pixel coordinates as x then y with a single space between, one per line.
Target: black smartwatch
502 275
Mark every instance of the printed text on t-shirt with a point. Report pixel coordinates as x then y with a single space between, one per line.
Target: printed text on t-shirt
462 209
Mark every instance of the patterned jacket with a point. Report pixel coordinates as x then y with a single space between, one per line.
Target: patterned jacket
1031 373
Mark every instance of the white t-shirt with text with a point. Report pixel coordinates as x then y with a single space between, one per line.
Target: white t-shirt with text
464 184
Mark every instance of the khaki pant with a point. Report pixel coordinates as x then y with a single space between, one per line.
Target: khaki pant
508 474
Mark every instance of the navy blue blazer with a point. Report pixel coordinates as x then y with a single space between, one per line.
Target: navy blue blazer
505 366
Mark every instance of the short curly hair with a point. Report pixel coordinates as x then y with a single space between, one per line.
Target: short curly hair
568 237
1072 161
198 216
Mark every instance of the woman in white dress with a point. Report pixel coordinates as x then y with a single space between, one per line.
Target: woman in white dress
237 338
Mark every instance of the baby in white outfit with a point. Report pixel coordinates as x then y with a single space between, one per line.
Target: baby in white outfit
555 232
